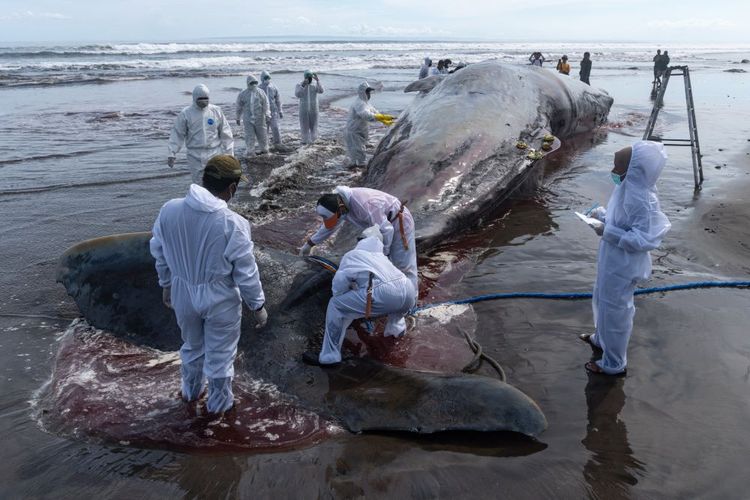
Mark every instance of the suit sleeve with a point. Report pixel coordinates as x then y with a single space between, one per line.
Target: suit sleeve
277 98
156 246
323 233
239 106
640 237
245 272
225 132
178 134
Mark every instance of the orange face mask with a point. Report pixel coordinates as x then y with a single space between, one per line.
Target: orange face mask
331 222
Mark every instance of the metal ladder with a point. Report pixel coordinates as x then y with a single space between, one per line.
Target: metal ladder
693 141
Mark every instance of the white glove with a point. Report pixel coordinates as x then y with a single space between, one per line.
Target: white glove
598 227
166 296
261 317
599 213
305 250
170 161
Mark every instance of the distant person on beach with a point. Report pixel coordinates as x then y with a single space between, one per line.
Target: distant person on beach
274 100
657 65
206 268
585 71
307 92
563 66
536 59
665 61
253 109
357 130
661 63
446 65
436 70
424 71
631 226
365 285
203 130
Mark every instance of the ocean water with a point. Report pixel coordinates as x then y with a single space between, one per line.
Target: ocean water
82 154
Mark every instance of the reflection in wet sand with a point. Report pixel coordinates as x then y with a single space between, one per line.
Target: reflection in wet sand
611 469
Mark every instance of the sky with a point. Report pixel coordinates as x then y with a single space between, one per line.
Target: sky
684 21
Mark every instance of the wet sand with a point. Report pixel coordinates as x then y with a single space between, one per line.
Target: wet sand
675 427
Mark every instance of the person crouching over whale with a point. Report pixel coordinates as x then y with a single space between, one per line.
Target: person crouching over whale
632 225
206 267
364 207
365 285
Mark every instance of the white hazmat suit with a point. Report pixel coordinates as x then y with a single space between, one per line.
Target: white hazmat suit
367 207
307 92
204 252
253 109
424 71
633 225
392 295
357 133
274 99
203 131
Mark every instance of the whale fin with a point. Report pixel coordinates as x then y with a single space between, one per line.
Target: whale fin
423 85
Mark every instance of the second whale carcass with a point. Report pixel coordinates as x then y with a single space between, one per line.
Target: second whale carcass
453 153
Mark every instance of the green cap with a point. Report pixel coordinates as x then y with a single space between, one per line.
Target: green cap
224 167
309 73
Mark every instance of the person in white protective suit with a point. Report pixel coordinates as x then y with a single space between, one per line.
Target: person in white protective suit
632 225
366 285
307 93
365 207
274 99
254 110
424 71
204 259
203 130
357 133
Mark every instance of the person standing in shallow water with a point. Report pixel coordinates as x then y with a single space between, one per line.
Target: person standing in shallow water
307 93
657 65
203 130
585 71
563 66
631 226
206 268
536 59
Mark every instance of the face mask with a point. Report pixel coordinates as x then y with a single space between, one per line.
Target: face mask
201 103
617 178
368 92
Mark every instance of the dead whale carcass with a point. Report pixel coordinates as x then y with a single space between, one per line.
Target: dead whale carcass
452 154
114 284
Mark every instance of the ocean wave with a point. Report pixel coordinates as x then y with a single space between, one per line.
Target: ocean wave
127 49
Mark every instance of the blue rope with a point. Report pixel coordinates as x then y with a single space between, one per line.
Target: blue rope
331 266
580 296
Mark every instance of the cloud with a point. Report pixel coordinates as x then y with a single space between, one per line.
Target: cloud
693 23
28 14
294 22
388 31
